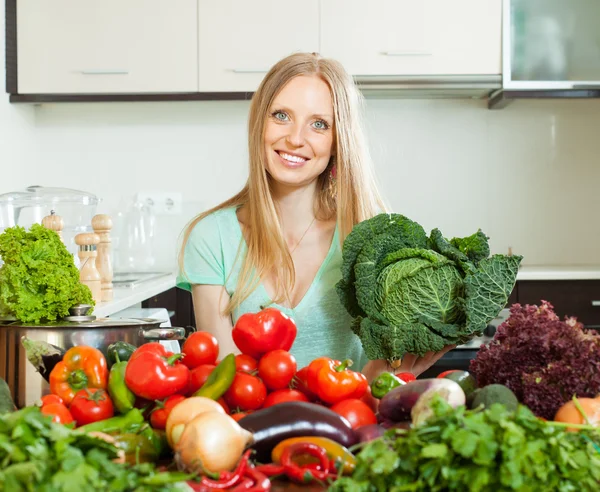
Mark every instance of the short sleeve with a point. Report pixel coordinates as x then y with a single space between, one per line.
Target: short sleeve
203 261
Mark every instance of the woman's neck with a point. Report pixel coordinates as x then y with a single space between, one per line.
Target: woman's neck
296 209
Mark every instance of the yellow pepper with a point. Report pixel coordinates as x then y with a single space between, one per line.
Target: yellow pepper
335 451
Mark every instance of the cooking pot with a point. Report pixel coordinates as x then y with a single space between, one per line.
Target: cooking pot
27 385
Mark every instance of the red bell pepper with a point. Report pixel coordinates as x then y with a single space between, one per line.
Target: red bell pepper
333 382
155 374
256 334
81 367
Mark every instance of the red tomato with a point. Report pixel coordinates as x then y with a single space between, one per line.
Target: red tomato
247 392
90 405
59 411
200 348
445 373
283 395
277 368
239 415
407 377
160 413
245 363
198 377
49 399
301 384
356 412
223 403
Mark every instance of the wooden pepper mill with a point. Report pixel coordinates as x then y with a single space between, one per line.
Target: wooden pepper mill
88 273
54 222
102 225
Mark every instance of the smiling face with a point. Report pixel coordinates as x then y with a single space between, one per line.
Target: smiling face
299 132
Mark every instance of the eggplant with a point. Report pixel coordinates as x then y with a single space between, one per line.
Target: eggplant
399 402
272 425
43 355
369 432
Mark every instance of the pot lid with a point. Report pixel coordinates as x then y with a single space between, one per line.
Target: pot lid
96 323
33 195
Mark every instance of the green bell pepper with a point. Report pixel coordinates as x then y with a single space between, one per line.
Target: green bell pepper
220 379
119 351
384 383
122 397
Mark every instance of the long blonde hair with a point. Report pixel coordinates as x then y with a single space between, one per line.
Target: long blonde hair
355 199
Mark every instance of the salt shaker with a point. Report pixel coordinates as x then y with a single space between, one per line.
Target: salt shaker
54 222
88 273
102 225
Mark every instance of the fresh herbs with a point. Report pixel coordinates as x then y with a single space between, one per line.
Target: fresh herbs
38 455
39 280
478 450
544 360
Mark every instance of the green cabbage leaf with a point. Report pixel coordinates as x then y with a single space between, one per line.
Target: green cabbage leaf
38 280
413 293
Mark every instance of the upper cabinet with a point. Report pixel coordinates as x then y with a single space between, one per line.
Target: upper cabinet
108 46
409 37
238 41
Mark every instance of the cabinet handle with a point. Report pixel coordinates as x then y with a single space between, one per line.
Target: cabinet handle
406 53
596 303
248 70
105 72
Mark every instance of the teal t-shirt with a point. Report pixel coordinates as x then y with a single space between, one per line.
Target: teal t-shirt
211 257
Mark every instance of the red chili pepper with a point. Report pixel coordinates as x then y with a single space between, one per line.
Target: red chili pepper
229 479
256 334
246 484
261 481
333 382
155 374
271 469
305 474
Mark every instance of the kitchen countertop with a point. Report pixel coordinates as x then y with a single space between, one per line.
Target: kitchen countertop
125 297
559 272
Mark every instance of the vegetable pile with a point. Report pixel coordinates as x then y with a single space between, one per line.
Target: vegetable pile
410 293
38 280
477 450
543 359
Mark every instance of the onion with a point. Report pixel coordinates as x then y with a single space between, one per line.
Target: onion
212 442
184 412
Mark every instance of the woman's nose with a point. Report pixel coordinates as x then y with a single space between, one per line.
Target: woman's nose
296 135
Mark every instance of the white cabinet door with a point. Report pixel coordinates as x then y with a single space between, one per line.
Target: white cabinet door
239 40
413 37
108 46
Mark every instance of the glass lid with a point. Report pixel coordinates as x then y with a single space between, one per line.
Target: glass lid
43 195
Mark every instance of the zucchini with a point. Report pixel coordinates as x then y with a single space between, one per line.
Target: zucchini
43 355
119 351
6 401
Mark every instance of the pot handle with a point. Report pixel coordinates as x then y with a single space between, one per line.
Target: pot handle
174 333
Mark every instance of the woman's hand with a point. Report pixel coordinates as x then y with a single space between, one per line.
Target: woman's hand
410 363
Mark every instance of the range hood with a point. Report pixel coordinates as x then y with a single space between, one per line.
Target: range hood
550 49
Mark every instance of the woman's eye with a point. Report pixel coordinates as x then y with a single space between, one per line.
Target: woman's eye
280 115
321 125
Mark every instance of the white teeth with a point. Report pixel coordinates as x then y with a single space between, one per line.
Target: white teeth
292 158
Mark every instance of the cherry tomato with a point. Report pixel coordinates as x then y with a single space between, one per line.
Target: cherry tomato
200 348
245 363
90 405
49 399
300 383
407 377
198 377
59 411
247 392
356 412
283 395
239 415
277 368
160 413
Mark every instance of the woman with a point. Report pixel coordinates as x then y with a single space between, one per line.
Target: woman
278 241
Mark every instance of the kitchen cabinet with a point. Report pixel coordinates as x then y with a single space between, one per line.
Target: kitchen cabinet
178 303
579 298
239 41
113 46
405 37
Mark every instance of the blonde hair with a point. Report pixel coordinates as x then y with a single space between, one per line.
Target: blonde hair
355 198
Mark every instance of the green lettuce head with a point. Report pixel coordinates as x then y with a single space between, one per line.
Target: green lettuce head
409 293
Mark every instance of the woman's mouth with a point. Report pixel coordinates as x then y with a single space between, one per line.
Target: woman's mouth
291 160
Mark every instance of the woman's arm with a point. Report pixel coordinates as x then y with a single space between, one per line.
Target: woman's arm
210 302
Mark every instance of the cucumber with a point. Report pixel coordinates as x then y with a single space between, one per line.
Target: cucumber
6 401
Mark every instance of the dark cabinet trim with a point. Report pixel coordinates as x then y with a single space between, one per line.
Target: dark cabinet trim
11 46
187 96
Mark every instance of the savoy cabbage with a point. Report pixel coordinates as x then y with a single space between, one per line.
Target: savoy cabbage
410 293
